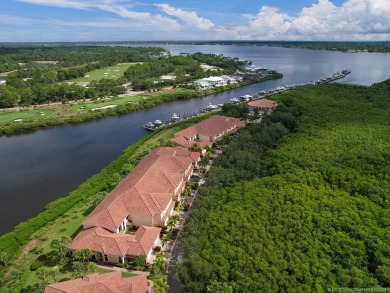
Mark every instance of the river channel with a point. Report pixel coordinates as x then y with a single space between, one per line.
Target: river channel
40 166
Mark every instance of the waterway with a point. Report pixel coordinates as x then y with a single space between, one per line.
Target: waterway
40 166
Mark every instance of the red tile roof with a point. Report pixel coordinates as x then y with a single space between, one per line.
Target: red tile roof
263 103
101 240
146 190
101 283
213 126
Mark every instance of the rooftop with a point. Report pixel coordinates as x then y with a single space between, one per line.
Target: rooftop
99 283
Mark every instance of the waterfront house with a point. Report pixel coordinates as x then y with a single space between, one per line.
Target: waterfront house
262 105
115 248
208 131
108 282
146 197
209 82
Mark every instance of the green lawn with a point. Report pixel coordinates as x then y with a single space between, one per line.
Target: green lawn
25 115
111 72
106 102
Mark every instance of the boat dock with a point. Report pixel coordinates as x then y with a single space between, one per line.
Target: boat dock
150 126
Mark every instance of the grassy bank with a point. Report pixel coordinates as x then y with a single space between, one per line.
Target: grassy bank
63 216
65 114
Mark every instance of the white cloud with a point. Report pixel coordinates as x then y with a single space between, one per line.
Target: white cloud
352 20
189 17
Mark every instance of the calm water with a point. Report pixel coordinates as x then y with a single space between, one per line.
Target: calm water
38 167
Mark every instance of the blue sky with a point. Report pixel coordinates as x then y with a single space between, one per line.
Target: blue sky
138 20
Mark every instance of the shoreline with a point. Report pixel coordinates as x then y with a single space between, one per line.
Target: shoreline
36 229
159 98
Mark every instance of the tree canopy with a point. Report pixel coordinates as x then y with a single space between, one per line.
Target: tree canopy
299 203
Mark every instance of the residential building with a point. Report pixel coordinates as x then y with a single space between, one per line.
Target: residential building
262 105
109 282
115 248
209 82
144 199
208 131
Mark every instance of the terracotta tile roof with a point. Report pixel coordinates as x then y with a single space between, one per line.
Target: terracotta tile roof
101 240
210 127
181 140
101 283
146 188
263 103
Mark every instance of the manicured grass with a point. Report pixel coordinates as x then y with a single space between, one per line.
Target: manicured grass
111 72
106 102
27 115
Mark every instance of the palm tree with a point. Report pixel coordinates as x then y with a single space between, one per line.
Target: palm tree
159 265
161 286
172 221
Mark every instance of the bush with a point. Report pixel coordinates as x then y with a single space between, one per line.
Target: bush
39 262
157 248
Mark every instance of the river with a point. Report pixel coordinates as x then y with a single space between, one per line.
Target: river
40 166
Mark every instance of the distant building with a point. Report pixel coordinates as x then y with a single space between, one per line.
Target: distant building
109 282
209 82
262 105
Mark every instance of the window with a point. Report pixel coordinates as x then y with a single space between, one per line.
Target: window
105 258
120 259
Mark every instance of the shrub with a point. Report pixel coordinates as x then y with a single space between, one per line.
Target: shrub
157 248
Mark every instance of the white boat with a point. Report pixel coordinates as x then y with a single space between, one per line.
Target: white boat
211 107
235 101
246 98
158 123
149 126
175 118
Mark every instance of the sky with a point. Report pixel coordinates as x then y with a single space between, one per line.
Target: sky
148 20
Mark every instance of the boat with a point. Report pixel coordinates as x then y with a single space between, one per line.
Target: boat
211 107
149 126
175 118
235 101
158 123
246 98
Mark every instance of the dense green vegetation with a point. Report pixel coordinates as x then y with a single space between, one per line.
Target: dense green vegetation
301 202
43 78
20 57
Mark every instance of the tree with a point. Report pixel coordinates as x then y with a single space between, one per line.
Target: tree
44 276
92 268
78 269
161 286
159 265
4 258
60 246
54 273
195 148
173 221
140 262
83 255
218 287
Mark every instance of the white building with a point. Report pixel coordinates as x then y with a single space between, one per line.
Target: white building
209 82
